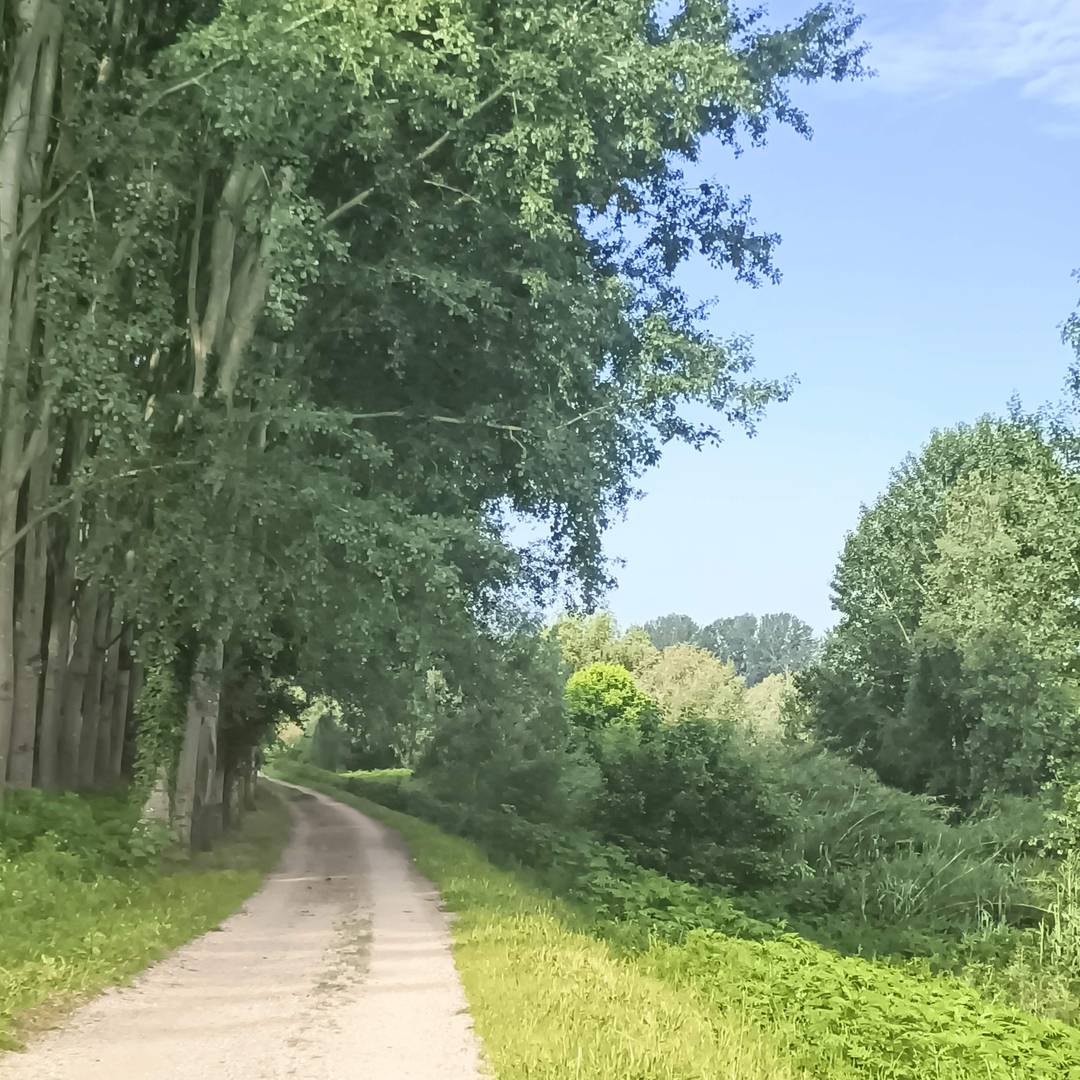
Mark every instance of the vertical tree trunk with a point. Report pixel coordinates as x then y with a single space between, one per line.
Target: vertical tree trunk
29 630
202 707
25 124
91 710
250 780
56 671
121 709
110 677
61 613
232 808
130 748
74 691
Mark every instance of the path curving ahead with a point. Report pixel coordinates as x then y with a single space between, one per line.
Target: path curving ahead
338 969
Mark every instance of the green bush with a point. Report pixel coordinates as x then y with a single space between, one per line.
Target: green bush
878 1021
882 871
691 800
84 835
602 695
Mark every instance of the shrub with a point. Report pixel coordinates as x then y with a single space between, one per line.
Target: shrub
877 869
602 695
692 801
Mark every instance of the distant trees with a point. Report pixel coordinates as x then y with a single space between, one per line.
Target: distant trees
757 646
760 646
672 630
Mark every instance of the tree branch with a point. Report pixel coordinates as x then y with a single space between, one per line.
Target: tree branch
431 148
67 500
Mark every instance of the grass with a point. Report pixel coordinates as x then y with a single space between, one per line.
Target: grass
67 934
558 991
551 1001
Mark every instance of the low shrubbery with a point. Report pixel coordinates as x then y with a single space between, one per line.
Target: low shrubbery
834 1017
874 869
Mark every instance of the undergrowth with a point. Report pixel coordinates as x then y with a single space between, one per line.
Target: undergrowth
89 897
835 1017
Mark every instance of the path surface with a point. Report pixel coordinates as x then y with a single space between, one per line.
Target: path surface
339 969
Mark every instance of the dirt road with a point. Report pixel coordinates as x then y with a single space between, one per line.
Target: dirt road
339 969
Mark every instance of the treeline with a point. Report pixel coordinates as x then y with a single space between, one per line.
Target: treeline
757 646
298 301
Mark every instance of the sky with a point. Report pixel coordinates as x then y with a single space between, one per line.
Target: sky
930 232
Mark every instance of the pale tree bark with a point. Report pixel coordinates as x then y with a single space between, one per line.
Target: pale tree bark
25 125
91 707
61 613
71 719
202 707
56 672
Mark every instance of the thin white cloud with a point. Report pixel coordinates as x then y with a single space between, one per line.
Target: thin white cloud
945 46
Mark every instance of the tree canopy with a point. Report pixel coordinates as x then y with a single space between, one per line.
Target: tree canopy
953 668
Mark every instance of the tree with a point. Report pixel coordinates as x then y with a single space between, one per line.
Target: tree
672 630
292 296
952 669
770 645
602 694
766 703
686 681
595 639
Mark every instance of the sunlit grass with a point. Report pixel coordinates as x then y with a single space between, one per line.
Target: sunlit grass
62 939
552 1002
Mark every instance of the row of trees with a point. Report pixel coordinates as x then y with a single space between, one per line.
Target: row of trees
299 300
758 646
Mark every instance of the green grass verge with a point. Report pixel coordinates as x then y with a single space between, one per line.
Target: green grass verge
63 938
549 1000
812 1011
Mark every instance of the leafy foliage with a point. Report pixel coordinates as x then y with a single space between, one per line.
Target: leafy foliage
672 630
602 695
952 669
689 682
775 644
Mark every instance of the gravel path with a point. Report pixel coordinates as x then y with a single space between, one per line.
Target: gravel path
339 969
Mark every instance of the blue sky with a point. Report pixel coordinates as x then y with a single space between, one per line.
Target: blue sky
930 230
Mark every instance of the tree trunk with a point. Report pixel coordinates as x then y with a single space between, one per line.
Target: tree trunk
202 708
110 676
91 708
56 671
156 809
74 691
130 749
29 631
232 806
61 613
25 124
249 781
121 709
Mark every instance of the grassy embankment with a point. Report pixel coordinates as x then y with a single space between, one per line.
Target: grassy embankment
88 901
558 990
